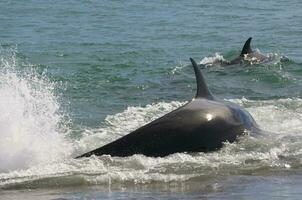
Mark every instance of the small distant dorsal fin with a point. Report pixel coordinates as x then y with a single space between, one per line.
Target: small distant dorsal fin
247 47
202 88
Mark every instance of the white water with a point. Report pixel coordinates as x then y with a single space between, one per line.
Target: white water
277 151
212 60
29 118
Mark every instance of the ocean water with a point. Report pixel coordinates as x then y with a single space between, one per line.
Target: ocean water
75 75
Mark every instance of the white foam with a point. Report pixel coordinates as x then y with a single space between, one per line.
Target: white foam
29 118
280 150
282 118
212 60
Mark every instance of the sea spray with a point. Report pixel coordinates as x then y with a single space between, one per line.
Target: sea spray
276 151
30 121
212 60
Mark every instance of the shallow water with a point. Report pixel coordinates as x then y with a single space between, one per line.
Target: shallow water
75 75
282 186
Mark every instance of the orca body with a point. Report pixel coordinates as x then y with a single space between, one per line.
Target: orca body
247 54
202 125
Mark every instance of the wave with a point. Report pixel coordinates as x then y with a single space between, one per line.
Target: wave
278 150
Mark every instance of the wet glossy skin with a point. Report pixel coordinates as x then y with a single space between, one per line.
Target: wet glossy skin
199 126
202 125
247 54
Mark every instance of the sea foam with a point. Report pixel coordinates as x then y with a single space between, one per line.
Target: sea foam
29 118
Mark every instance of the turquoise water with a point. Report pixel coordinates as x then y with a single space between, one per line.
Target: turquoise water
75 75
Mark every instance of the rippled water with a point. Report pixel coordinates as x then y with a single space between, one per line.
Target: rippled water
75 75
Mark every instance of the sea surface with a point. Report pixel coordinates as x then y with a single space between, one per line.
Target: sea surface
75 75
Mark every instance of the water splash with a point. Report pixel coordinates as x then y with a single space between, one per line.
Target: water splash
29 119
217 59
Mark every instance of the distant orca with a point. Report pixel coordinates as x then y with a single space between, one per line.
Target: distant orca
247 54
201 125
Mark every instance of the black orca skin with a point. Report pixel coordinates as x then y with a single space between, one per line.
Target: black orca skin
249 55
202 125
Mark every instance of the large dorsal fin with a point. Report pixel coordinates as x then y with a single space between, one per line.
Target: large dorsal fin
202 88
247 47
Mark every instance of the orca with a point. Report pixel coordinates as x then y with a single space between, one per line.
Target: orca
202 125
247 54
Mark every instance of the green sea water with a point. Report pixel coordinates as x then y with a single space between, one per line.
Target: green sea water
75 75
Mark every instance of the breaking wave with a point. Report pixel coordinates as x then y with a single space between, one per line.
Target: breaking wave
278 150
